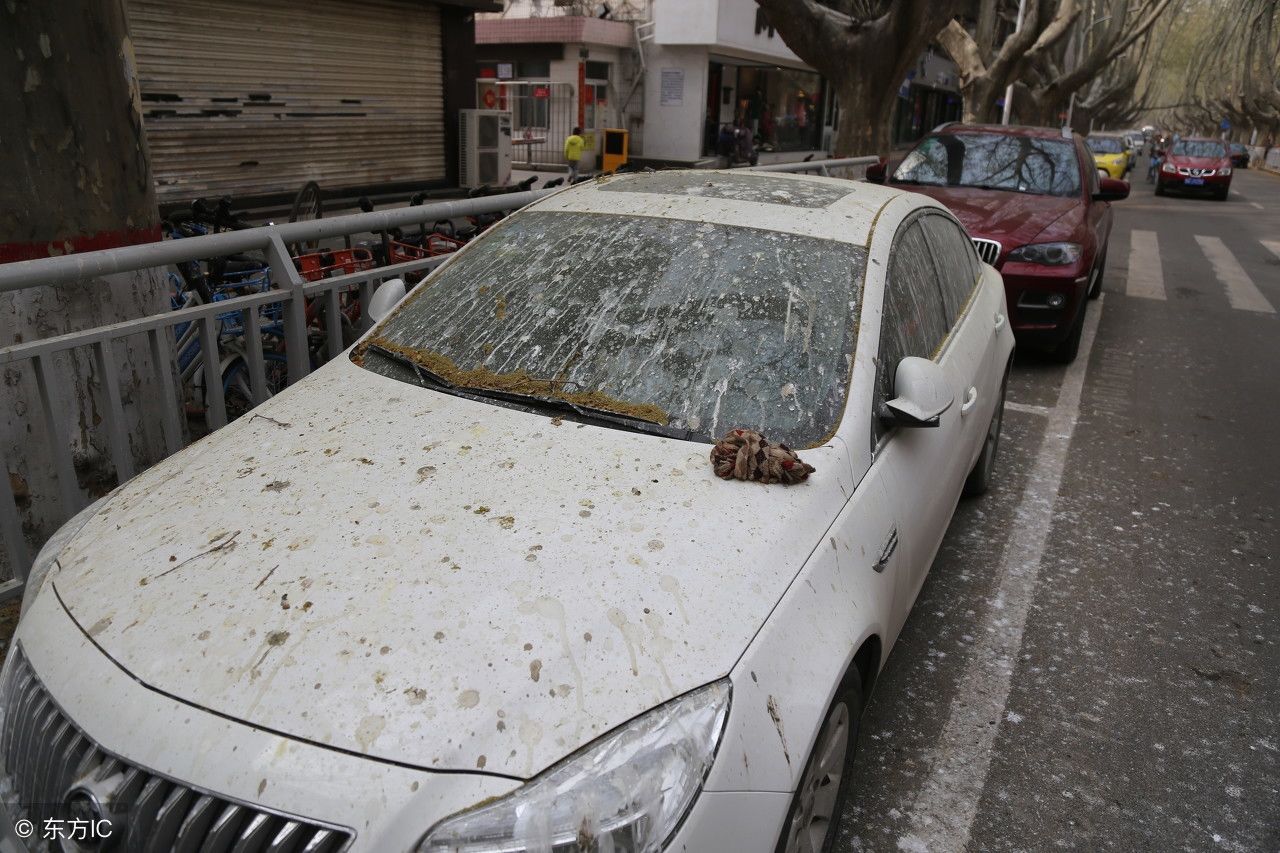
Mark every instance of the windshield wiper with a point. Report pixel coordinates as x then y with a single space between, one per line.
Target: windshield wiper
590 413
425 374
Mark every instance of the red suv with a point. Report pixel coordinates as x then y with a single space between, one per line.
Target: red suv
1037 211
1202 165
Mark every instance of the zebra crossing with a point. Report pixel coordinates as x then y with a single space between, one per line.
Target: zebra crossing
1146 272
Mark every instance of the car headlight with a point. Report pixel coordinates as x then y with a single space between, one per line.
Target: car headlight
1225 170
629 790
1169 167
48 555
1049 254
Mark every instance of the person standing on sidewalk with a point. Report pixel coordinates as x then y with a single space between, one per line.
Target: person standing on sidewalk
573 144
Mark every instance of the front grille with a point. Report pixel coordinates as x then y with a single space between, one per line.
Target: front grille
1197 173
988 250
45 757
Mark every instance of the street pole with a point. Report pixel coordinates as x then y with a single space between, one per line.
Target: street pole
1008 91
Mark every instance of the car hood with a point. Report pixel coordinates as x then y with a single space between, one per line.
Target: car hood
1197 162
388 570
1013 219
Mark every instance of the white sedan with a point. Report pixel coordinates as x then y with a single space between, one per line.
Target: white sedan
476 586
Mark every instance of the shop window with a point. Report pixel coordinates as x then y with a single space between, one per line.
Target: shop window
598 71
782 107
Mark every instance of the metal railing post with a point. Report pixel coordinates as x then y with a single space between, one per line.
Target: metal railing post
296 349
116 438
64 471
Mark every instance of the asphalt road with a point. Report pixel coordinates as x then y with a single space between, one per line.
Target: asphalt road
1093 663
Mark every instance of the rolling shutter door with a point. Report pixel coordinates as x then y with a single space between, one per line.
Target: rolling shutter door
244 97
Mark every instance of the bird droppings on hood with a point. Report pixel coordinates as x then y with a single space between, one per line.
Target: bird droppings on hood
480 762
630 635
481 510
226 545
276 486
439 635
468 698
369 729
416 695
506 522
98 627
772 705
672 587
535 668
656 545
277 638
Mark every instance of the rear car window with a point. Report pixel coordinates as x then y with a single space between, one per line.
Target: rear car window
717 326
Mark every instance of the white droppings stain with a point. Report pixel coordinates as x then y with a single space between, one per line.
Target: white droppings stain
369 729
672 587
468 698
630 635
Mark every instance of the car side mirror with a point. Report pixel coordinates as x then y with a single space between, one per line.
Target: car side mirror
385 298
875 172
1111 189
923 394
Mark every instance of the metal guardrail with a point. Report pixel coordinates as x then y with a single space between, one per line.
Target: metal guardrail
293 293
820 167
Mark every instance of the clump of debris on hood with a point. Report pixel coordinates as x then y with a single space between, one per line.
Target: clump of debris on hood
744 454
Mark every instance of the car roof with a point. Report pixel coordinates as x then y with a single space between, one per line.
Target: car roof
1004 130
828 208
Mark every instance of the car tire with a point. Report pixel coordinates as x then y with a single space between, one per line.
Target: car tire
813 822
1095 286
983 473
1065 352
1221 195
1159 187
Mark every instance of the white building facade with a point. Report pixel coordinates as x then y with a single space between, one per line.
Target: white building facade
712 63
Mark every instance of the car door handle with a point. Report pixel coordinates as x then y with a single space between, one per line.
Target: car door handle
887 551
970 400
999 321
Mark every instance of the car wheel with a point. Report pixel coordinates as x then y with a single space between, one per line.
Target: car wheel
814 819
1159 188
1095 287
982 475
1221 195
1065 352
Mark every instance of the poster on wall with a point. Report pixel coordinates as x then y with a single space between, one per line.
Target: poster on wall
672 92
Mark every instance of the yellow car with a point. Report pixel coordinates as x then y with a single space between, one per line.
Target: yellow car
1110 155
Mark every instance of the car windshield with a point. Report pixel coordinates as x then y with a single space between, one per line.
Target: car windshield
1198 148
703 326
1104 145
994 161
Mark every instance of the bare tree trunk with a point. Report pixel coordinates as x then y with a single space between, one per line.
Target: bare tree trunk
76 176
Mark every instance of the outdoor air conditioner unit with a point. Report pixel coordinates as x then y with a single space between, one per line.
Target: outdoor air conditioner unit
484 148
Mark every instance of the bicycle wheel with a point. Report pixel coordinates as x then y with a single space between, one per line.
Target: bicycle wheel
307 206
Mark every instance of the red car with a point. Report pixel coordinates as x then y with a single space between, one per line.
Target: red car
1200 165
1037 211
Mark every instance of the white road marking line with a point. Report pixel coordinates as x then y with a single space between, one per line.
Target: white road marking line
943 812
1026 408
1242 293
1146 275
1255 204
1273 245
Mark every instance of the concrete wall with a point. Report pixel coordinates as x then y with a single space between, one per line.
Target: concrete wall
674 132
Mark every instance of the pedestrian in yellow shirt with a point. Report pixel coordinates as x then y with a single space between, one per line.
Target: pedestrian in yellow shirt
573 152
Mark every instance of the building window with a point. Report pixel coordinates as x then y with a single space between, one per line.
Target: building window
537 70
595 95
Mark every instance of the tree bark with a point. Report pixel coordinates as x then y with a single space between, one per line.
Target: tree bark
77 177
866 59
